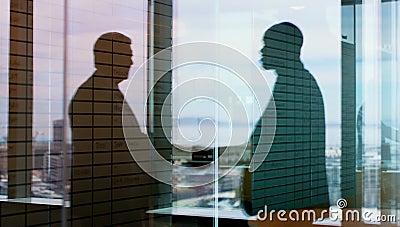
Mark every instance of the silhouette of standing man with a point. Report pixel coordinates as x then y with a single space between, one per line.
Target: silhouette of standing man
107 186
293 175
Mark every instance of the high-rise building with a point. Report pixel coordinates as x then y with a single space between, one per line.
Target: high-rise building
349 124
58 135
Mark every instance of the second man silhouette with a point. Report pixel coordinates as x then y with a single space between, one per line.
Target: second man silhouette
293 175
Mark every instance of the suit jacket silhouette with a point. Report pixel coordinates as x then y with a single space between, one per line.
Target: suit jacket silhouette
107 186
293 175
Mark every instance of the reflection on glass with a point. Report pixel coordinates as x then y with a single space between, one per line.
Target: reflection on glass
355 115
296 160
100 154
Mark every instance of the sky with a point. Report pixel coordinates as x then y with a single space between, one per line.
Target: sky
241 26
87 20
237 24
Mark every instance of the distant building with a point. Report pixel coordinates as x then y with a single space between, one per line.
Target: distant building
349 125
53 159
58 134
52 170
3 158
39 150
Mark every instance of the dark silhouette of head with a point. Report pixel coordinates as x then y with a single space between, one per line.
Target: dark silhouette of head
113 56
282 45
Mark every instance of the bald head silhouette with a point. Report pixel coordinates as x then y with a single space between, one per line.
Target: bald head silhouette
100 153
283 44
294 172
113 56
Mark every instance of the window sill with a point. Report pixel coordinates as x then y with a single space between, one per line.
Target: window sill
36 201
204 212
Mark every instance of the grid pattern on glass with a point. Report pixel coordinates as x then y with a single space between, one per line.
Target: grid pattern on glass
107 186
119 192
19 135
293 176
